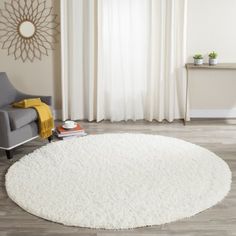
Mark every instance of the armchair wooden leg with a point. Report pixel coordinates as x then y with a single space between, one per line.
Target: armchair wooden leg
9 154
50 139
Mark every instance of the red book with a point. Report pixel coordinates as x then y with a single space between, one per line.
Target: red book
77 129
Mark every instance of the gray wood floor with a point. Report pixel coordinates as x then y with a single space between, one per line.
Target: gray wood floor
216 135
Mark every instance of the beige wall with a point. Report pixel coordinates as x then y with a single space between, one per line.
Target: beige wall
39 77
211 26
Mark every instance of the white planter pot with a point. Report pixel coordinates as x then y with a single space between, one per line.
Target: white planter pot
212 61
198 61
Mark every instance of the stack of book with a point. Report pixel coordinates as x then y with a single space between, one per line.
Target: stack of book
69 133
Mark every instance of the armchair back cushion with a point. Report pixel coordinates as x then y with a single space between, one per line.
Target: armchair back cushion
8 93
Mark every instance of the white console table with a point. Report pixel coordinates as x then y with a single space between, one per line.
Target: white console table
191 66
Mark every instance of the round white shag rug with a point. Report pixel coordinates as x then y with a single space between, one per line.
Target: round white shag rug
118 181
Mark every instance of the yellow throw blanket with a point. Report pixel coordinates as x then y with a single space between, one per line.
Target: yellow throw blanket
46 123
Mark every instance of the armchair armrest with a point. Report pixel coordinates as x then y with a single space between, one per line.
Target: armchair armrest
45 99
5 128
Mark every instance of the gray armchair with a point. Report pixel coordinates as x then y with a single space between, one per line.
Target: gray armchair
17 126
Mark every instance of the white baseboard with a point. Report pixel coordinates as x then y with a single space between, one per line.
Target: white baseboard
194 113
213 113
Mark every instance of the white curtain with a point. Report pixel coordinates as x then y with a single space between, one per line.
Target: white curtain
123 59
78 58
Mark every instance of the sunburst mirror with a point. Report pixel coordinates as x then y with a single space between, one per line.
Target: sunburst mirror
28 29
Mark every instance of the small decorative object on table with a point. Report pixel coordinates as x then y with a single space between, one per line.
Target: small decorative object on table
69 124
213 58
69 129
198 59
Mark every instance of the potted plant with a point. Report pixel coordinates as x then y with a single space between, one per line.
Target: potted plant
198 59
213 58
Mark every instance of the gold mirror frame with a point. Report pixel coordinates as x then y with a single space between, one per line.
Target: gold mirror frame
26 46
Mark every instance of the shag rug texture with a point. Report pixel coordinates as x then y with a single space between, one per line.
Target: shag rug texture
118 181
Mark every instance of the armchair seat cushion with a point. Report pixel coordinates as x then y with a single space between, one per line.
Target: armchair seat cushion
20 117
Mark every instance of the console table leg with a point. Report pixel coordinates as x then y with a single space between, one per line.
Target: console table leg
186 99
